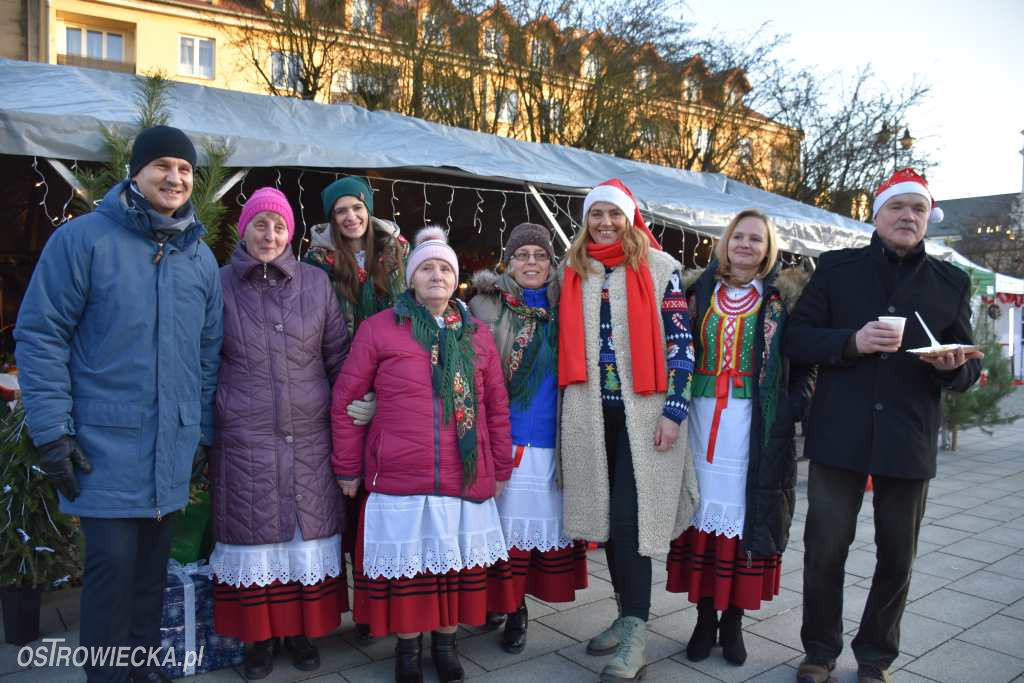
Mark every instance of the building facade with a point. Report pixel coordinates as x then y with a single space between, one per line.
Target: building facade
532 81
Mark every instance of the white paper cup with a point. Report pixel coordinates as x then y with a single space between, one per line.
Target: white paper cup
894 321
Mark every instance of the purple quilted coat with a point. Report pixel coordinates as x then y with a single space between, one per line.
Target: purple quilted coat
284 342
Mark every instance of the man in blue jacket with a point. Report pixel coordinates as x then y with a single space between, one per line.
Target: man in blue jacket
118 346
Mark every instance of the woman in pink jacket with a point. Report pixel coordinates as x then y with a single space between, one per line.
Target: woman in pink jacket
436 453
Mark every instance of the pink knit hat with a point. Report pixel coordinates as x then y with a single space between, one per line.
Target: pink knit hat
267 199
431 243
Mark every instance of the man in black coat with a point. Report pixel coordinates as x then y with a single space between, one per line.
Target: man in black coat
875 411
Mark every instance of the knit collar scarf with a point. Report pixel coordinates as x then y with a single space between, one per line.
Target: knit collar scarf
534 345
450 346
163 227
646 348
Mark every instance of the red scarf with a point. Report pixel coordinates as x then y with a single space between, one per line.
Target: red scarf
645 345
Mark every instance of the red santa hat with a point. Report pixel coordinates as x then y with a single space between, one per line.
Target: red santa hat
615 192
906 181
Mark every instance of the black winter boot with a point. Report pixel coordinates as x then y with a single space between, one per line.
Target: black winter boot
409 660
259 659
305 656
494 620
444 649
703 637
730 635
513 640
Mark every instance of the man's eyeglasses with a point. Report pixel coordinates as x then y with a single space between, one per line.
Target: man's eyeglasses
525 256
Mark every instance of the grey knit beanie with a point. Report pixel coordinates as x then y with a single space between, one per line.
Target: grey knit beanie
528 233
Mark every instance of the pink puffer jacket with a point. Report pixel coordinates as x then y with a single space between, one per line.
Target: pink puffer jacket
407 449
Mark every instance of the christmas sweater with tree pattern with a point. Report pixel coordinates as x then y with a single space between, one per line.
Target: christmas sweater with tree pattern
679 351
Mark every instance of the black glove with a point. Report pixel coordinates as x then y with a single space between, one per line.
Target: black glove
199 460
58 460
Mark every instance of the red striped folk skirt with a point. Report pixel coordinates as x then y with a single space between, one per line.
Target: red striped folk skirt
426 602
712 566
551 576
280 609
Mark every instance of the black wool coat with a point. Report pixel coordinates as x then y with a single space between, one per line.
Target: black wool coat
879 413
771 470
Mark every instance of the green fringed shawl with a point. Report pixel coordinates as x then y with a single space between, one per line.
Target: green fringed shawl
534 356
451 372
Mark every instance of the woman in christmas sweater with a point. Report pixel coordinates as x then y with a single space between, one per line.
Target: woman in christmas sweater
434 456
521 307
624 360
365 259
277 513
744 402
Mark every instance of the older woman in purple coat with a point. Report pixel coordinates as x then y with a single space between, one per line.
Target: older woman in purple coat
277 513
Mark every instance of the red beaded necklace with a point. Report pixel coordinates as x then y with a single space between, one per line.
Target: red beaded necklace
744 304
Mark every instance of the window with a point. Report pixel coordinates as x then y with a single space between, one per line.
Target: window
734 97
291 6
643 76
552 111
540 53
433 29
702 140
97 44
508 106
285 70
649 134
494 43
691 89
745 150
439 99
363 16
591 67
195 56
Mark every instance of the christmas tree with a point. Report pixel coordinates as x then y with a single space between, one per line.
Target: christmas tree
39 545
151 98
979 406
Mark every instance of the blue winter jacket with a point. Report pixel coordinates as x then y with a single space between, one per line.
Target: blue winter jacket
122 353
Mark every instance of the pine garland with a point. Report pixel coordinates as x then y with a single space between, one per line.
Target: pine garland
39 545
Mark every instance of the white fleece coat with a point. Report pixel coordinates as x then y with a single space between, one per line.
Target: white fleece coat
666 482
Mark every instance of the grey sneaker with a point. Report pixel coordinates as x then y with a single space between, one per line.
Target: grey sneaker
605 642
629 662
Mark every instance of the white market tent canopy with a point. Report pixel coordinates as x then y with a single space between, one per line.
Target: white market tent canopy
58 112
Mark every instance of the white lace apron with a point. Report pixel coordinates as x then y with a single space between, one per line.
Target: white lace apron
531 505
406 535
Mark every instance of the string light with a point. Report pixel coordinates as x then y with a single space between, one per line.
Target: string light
501 233
394 210
277 183
526 202
426 203
448 222
54 221
302 214
477 221
241 199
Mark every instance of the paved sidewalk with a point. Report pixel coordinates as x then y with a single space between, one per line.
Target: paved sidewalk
964 622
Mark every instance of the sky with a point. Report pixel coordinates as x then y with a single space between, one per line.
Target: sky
971 53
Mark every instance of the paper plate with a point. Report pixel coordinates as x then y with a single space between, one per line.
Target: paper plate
941 348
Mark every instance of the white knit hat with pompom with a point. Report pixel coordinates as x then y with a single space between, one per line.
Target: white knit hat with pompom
431 243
